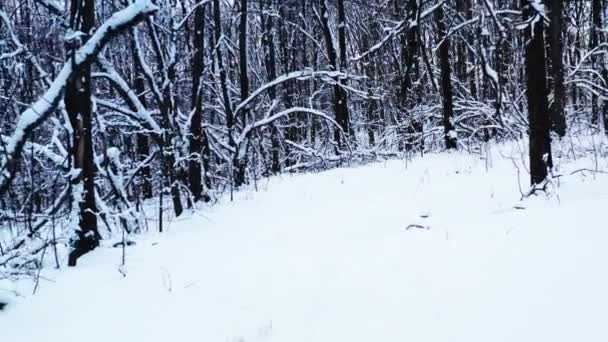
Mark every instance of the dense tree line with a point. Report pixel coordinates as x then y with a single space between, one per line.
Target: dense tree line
110 107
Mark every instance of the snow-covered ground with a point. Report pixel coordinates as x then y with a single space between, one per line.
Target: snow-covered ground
333 257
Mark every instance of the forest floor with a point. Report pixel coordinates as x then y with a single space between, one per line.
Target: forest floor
439 248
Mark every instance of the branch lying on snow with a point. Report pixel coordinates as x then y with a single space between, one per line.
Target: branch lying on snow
534 188
311 153
39 111
588 170
416 226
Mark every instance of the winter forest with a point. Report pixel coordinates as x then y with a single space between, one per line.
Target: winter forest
135 134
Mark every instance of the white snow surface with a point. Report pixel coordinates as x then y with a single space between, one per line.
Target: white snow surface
329 257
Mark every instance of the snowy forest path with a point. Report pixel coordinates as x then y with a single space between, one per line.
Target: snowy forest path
424 251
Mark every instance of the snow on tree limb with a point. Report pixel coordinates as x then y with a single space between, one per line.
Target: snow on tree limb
142 114
39 111
55 9
187 16
4 18
395 31
269 119
303 74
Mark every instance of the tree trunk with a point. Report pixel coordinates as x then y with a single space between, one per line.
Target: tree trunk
271 70
557 67
461 45
446 83
198 143
340 98
79 108
468 8
240 161
536 92
217 19
595 59
142 139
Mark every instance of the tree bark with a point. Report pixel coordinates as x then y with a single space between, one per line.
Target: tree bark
79 108
446 83
217 19
461 46
596 29
557 67
536 93
240 161
340 98
198 165
142 139
271 70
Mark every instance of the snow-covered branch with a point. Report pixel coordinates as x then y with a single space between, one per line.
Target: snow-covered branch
47 103
269 119
395 31
296 75
19 48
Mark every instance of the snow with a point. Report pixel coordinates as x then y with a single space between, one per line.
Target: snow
340 256
113 154
73 35
492 74
7 293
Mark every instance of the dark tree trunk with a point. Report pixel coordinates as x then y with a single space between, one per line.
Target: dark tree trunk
446 84
240 161
502 65
169 172
340 98
173 173
411 67
596 29
409 46
217 20
244 77
198 143
412 44
557 67
271 70
79 108
468 8
142 139
536 92
286 67
461 46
